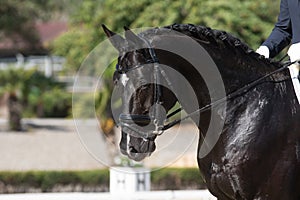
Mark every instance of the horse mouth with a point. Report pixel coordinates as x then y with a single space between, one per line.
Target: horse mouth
136 148
138 156
132 154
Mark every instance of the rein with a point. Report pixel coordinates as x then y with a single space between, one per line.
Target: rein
159 124
229 96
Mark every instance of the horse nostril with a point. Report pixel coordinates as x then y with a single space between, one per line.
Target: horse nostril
132 149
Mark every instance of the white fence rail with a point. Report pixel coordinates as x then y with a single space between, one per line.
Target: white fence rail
154 195
47 64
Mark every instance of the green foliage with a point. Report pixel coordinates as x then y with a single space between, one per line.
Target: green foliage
12 85
75 45
249 20
50 179
163 179
104 97
57 103
46 180
44 97
93 177
244 19
13 79
177 178
38 95
82 106
54 102
18 17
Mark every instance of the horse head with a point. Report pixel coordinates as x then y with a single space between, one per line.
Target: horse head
144 96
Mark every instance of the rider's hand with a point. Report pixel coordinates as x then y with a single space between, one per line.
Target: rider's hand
264 51
294 52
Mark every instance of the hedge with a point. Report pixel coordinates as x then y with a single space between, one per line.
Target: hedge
93 180
54 181
176 179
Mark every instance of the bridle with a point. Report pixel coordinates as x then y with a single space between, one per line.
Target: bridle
158 117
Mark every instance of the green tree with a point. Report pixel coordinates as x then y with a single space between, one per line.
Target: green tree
18 17
250 20
25 89
11 86
45 97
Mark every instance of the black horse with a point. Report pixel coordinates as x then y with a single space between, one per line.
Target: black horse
257 152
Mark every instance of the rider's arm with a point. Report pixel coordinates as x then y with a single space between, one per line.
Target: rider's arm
281 35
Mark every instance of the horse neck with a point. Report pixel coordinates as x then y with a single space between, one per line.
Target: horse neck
236 69
239 67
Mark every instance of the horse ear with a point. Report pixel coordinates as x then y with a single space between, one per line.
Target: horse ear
131 36
116 40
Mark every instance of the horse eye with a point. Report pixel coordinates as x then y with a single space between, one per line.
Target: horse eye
120 69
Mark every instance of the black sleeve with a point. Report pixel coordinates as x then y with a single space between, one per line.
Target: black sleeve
281 35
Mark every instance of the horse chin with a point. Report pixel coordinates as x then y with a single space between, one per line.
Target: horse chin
136 148
135 156
138 156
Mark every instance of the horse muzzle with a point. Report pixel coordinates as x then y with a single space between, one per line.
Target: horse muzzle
136 148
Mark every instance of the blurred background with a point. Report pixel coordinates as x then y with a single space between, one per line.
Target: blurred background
42 46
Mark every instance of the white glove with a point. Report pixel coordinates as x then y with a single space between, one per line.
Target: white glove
264 51
294 52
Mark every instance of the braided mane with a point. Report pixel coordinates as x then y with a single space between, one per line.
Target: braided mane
218 38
